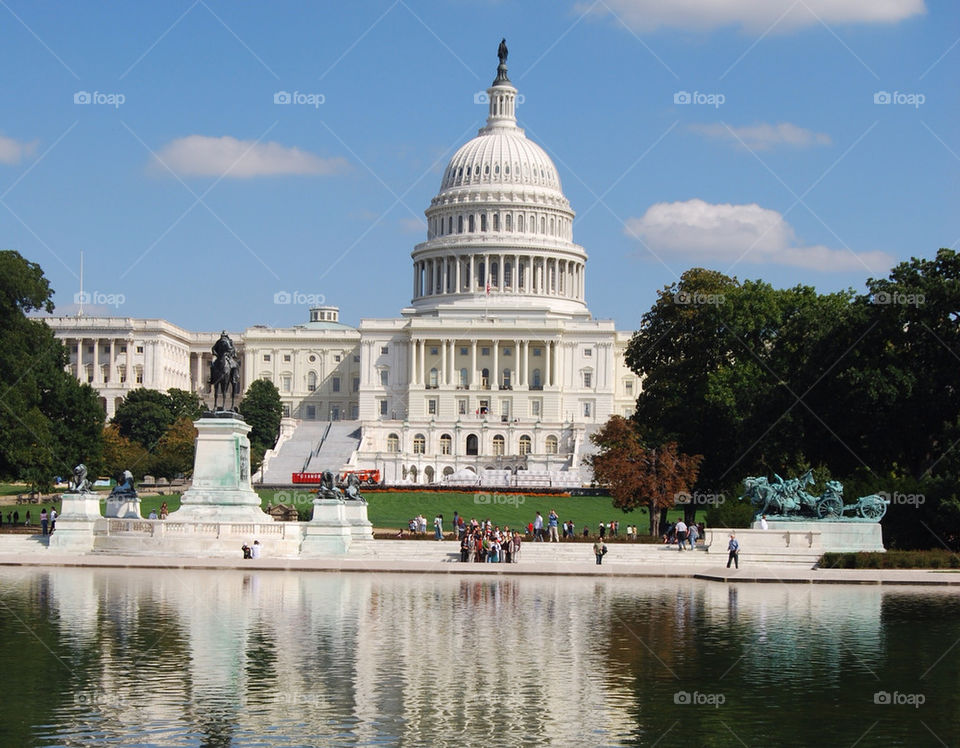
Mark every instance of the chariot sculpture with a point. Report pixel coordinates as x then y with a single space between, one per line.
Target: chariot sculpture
788 499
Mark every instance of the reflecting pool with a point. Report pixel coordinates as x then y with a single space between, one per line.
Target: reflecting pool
208 658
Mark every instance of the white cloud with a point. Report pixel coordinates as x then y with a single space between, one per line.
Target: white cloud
763 136
753 15
723 233
205 156
12 151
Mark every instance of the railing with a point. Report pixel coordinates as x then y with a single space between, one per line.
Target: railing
159 528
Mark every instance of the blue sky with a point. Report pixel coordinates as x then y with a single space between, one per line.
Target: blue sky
807 141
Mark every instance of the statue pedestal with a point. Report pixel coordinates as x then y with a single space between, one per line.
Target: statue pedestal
355 514
76 523
329 532
221 490
837 536
125 508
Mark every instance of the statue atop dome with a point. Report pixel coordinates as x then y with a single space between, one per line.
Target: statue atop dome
502 53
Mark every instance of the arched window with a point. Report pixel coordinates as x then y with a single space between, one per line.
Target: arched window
485 378
496 221
483 221
525 445
472 445
498 444
312 381
494 273
471 223
419 444
393 443
507 273
543 225
450 224
446 444
520 223
459 224
551 445
508 222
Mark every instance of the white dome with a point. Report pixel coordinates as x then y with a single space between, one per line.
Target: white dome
501 157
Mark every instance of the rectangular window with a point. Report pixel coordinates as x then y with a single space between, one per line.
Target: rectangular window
123 376
384 375
587 379
139 376
384 350
536 352
286 410
628 387
434 351
311 412
336 358
286 358
506 351
587 410
336 384
535 408
266 356
431 407
588 352
356 384
89 349
383 407
139 349
484 351
286 384
123 349
462 406
463 351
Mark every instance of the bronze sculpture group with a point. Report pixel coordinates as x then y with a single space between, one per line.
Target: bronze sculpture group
788 499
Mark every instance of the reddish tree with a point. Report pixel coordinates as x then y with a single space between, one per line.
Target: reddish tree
641 476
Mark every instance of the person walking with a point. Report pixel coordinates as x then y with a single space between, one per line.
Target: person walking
681 533
733 547
438 526
693 535
599 549
44 521
53 519
538 528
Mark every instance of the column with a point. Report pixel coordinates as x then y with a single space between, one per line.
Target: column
453 379
516 273
126 364
96 361
416 273
548 352
473 273
411 358
473 362
442 379
501 275
494 373
111 374
423 362
446 274
523 364
459 287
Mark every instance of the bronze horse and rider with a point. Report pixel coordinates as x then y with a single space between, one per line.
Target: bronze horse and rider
225 372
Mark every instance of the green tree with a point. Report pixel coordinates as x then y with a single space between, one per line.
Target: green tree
262 409
48 421
121 453
144 416
185 404
173 454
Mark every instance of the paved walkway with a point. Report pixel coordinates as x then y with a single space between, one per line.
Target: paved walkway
757 574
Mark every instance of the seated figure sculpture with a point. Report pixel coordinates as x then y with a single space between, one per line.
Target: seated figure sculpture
124 489
353 488
328 488
80 483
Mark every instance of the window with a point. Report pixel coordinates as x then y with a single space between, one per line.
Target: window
431 407
484 351
356 384
463 351
537 384
384 350
383 408
356 359
286 384
446 444
312 381
535 408
628 386
311 412
139 349
336 384
419 444
286 410
123 349
587 410
138 375
384 376
525 445
312 359
587 379
336 358
266 356
462 406
463 378
472 445
434 351
588 352
123 376
506 351
551 445
537 351
393 441
498 445
286 358
506 379
485 378
434 377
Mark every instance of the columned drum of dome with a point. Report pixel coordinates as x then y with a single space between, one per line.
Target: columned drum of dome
499 232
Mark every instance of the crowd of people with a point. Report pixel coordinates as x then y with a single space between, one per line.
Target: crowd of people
48 520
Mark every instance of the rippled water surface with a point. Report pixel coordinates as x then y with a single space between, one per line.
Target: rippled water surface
206 658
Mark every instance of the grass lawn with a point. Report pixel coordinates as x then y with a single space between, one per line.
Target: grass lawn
393 509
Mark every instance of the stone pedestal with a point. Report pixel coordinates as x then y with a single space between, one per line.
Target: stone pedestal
329 533
355 514
838 536
76 523
125 508
221 490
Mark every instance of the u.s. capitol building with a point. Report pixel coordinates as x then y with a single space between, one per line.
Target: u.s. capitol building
496 364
